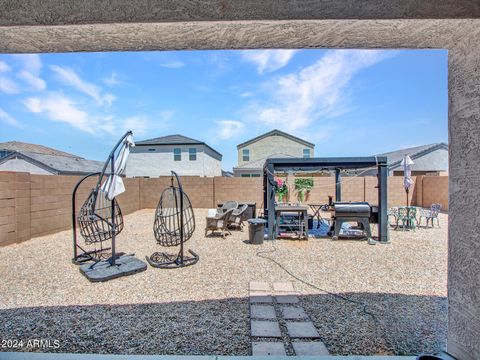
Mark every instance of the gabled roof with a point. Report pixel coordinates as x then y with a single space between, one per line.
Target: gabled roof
32 148
395 157
176 139
275 132
57 164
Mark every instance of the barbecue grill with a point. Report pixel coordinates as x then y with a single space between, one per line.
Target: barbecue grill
359 212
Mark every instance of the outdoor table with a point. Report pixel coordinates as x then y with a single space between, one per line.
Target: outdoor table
317 208
300 210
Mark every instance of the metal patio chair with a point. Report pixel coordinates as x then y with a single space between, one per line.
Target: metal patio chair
430 215
218 223
408 217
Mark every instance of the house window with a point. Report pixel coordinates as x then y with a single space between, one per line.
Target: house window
177 154
250 175
151 149
192 154
306 153
245 175
246 155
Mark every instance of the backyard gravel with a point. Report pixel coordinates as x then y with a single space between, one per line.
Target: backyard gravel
393 297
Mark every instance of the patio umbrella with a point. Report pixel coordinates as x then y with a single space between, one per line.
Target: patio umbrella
407 173
113 186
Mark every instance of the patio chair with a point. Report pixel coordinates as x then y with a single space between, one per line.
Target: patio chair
238 217
174 224
430 215
227 205
219 223
408 217
393 212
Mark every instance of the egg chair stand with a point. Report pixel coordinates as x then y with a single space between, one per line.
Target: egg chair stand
174 224
100 220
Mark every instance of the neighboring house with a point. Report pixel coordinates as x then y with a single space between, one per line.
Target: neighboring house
253 153
41 160
187 157
431 159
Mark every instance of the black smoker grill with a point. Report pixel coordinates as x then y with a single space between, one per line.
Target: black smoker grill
359 212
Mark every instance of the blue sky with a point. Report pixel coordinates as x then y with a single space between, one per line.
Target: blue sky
347 102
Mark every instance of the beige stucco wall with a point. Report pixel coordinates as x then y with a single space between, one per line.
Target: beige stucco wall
20 165
274 144
160 162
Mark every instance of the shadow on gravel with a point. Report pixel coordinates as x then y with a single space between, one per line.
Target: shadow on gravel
403 325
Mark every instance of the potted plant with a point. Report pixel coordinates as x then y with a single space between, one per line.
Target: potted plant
303 186
281 189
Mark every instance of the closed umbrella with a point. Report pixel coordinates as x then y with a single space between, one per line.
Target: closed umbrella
113 186
407 174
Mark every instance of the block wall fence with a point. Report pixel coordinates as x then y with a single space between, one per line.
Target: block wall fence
37 205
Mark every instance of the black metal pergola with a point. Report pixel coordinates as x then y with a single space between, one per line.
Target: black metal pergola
286 165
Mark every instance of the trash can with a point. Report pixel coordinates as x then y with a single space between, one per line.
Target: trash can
256 228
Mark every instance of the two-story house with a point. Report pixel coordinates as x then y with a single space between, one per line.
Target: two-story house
187 157
253 153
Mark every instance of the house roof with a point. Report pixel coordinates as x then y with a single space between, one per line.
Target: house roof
395 157
32 148
275 132
57 164
176 139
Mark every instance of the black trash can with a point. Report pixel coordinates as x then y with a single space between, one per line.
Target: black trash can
256 228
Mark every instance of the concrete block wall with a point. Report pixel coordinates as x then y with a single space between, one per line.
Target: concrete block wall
36 205
435 190
239 189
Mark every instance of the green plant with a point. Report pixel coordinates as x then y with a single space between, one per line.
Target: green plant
281 189
303 187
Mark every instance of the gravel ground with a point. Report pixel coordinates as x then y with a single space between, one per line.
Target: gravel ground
394 296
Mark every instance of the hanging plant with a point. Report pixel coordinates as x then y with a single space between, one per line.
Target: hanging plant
303 186
281 189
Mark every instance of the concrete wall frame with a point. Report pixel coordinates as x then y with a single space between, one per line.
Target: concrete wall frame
116 25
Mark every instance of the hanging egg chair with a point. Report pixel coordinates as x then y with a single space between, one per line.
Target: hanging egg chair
174 224
99 218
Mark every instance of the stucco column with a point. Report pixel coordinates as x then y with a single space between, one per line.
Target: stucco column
464 196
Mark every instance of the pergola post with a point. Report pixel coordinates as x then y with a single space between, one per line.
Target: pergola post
338 186
269 199
382 203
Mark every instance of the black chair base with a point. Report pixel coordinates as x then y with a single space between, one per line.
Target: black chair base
169 261
104 271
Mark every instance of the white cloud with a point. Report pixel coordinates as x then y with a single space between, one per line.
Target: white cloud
58 107
112 80
31 62
35 82
229 128
69 77
173 65
268 60
317 91
8 86
139 125
4 67
10 120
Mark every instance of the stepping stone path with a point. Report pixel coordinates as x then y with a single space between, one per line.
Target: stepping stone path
278 322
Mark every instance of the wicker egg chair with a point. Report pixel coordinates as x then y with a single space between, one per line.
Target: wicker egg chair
174 224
